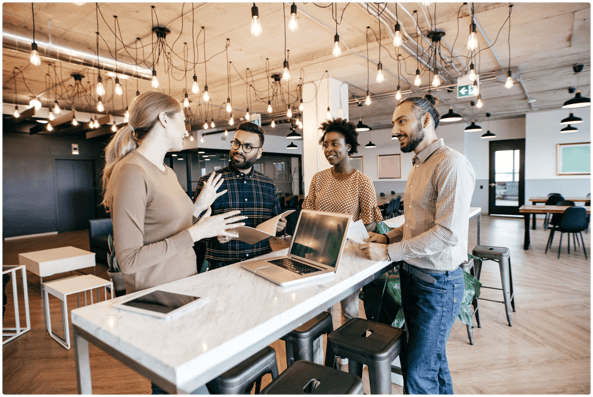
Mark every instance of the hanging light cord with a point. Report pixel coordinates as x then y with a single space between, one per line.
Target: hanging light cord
284 15
510 11
205 59
228 72
367 40
33 12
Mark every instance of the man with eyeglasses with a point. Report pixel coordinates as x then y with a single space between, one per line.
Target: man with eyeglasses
249 191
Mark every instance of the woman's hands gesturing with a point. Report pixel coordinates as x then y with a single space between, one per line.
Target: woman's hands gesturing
219 225
209 193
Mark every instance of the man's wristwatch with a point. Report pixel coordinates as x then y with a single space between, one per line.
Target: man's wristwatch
387 253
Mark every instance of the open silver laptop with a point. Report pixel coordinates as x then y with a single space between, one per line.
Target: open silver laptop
315 252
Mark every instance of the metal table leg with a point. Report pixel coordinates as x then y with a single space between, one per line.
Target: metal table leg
479 226
83 364
527 240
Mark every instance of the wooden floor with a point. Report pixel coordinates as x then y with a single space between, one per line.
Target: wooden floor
546 351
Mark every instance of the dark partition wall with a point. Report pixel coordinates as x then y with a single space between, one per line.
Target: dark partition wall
30 195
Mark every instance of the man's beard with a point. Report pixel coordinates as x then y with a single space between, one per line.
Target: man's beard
414 140
247 163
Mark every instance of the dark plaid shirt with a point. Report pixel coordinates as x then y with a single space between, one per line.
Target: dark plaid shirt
253 194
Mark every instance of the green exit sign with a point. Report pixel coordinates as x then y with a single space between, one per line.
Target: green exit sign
464 91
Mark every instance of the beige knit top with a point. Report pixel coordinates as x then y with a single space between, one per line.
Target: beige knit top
354 195
151 214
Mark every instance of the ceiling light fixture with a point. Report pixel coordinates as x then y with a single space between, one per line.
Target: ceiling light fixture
479 103
578 101
571 119
488 134
206 95
16 113
100 107
212 123
56 109
273 124
473 127
256 29
35 60
292 146
231 120
186 101
337 51
286 71
293 134
35 102
509 82
293 25
51 116
472 72
195 88
113 127
451 116
118 89
568 129
472 41
49 127
417 79
127 116
74 121
368 98
360 127
397 37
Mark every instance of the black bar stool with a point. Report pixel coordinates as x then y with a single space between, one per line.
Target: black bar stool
502 255
371 343
305 377
240 379
299 343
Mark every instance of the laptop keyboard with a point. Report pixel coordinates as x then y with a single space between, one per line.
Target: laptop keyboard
294 266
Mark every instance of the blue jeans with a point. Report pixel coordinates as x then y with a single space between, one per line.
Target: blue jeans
430 311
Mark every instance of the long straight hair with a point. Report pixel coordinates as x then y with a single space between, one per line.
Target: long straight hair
144 114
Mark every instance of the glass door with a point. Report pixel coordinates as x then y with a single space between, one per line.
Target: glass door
506 191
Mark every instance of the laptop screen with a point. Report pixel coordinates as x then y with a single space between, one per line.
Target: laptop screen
318 237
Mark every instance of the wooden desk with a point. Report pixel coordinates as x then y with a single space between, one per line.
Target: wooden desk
542 200
527 210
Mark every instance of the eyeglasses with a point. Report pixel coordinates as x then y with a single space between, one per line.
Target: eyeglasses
236 145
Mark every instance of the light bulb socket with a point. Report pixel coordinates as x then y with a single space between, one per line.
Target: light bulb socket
254 12
116 81
34 46
153 73
472 28
137 93
337 38
417 72
509 74
206 88
471 67
398 88
293 9
99 79
195 78
379 66
285 64
397 27
185 96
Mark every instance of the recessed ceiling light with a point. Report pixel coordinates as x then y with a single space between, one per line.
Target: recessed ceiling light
42 121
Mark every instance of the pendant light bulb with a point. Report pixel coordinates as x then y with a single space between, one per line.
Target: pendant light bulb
226 132
231 120
367 101
16 113
206 96
273 124
398 94
127 116
329 114
479 103
301 106
293 25
229 108
270 107
202 138
398 40
247 115
256 29
49 127
472 72
57 109
286 72
113 128
509 82
100 107
118 89
35 102
212 124
186 101
337 50
100 90
436 81
289 112
35 60
205 126
472 41
195 88
74 121
191 137
476 88
51 116
380 75
155 81
417 79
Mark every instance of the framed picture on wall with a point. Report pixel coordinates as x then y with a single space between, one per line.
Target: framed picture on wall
573 158
389 166
358 163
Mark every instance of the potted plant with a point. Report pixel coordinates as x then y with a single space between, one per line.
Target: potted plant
114 272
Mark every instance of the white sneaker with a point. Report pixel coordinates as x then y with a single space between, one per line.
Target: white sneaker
343 361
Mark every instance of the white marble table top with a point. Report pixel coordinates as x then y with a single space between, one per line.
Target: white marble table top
244 314
399 220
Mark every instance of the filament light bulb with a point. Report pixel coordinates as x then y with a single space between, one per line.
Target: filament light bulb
226 132
118 89
329 114
472 41
74 121
293 25
205 126
479 103
417 79
231 120
206 96
186 101
286 72
195 88
191 137
367 101
202 138
289 113
229 108
301 106
380 75
155 81
113 128
35 102
212 124
472 72
51 116
49 127
247 115
57 109
398 94
509 82
476 88
270 107
337 50
16 113
255 25
436 81
398 40
100 107
35 60
127 116
273 124
100 90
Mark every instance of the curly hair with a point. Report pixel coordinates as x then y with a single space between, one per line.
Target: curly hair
345 128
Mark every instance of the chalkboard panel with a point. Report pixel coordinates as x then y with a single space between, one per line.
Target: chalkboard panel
573 158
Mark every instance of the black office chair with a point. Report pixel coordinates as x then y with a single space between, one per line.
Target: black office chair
392 193
282 201
574 220
390 211
554 194
293 202
382 194
552 200
300 204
